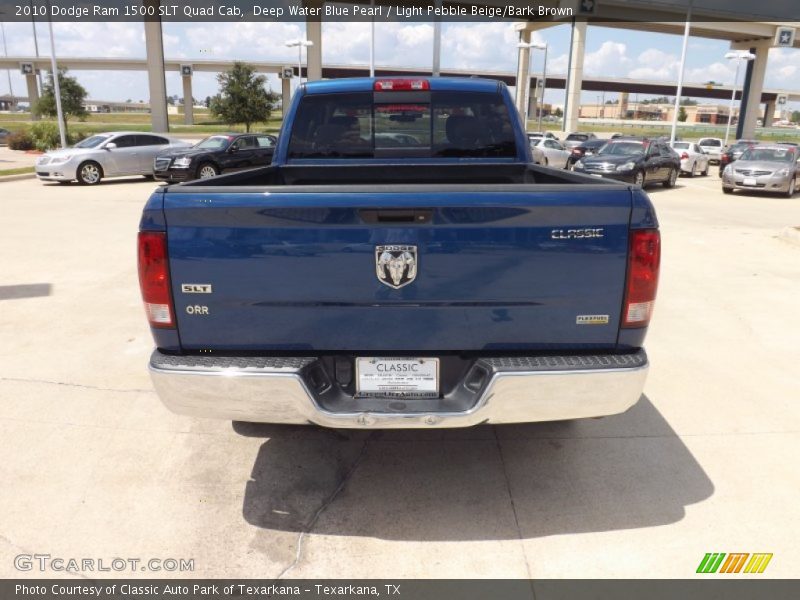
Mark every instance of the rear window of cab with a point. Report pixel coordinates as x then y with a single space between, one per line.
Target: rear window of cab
428 124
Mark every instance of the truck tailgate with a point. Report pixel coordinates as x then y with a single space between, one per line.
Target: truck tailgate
295 270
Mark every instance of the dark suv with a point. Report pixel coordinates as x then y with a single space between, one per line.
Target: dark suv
634 160
214 155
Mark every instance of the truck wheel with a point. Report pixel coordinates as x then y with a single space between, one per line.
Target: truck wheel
673 177
638 179
206 170
727 190
89 173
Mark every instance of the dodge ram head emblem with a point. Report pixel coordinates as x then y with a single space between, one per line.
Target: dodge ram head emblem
396 266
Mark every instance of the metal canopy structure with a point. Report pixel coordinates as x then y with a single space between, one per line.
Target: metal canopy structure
333 71
742 29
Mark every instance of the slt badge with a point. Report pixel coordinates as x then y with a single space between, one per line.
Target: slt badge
396 266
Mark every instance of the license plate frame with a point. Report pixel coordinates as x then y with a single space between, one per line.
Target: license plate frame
401 383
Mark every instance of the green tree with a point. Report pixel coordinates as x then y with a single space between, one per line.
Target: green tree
682 116
558 112
243 97
73 95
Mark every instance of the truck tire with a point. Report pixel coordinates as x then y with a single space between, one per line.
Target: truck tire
727 190
206 170
89 173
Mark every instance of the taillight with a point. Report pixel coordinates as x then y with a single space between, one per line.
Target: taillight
684 155
644 259
154 278
394 85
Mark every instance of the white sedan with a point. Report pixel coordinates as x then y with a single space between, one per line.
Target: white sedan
693 159
555 155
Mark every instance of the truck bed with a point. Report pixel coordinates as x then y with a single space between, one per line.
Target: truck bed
427 173
290 253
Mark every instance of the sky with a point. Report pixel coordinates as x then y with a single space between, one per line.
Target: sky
490 46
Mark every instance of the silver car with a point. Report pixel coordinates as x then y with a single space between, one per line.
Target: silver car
576 138
766 168
105 155
693 159
555 155
713 147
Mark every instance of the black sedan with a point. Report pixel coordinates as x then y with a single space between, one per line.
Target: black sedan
214 155
587 148
640 162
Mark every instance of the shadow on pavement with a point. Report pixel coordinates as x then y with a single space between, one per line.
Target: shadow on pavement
105 182
25 290
620 472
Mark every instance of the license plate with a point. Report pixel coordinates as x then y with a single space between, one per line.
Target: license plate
749 181
398 377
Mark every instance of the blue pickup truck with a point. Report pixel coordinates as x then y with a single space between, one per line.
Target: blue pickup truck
402 263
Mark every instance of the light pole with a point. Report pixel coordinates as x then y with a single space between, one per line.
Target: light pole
739 55
62 127
679 91
534 46
372 42
8 71
300 45
36 46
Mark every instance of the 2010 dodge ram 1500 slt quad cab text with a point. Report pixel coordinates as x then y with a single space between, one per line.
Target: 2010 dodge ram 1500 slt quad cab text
402 263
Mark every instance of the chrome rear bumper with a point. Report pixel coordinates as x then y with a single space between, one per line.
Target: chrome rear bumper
515 390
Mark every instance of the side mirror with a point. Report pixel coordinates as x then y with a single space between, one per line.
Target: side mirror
233 149
110 146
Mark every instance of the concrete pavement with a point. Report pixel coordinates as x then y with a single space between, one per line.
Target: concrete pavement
94 466
15 159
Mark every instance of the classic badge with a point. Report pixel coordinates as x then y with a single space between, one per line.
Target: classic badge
396 266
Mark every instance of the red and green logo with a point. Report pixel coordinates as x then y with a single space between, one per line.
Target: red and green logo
719 562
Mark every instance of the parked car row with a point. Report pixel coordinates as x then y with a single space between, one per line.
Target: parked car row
744 165
156 156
